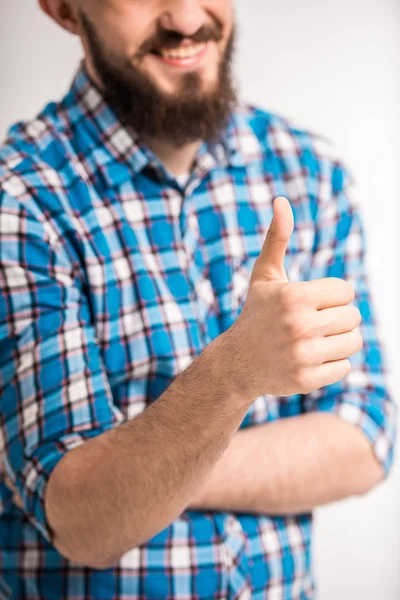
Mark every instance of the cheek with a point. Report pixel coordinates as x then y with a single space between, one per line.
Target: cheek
223 10
132 32
123 26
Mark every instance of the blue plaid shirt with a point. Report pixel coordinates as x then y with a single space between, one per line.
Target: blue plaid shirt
113 277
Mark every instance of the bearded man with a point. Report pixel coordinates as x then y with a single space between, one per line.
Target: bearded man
189 363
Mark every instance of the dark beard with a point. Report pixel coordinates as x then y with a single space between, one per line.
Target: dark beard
190 115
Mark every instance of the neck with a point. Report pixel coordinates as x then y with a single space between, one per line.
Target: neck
176 160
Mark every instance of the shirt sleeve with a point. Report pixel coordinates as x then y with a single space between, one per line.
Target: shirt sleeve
54 394
362 398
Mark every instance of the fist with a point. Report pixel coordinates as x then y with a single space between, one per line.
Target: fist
292 338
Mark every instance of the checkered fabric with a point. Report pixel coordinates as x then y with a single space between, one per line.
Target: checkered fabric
113 277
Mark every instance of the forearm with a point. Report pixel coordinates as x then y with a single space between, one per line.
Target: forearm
121 488
290 466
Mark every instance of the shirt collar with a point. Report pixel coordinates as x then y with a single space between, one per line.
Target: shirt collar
242 144
116 148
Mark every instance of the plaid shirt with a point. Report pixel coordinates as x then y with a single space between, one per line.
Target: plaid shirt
113 278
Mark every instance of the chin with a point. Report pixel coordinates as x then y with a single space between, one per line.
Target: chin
208 86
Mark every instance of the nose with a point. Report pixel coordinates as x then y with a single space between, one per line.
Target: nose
184 16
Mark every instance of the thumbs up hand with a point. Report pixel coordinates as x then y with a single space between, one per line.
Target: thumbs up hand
291 337
270 263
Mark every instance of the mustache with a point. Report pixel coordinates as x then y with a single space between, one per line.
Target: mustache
164 38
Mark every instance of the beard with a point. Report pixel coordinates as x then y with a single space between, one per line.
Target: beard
189 115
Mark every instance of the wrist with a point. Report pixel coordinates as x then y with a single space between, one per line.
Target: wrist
226 369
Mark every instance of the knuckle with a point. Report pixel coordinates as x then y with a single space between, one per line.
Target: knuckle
359 341
289 297
271 233
346 288
295 326
300 354
356 317
346 367
303 382
349 290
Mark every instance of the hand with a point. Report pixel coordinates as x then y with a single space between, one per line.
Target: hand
291 337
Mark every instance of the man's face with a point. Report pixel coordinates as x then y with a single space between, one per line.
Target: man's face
159 60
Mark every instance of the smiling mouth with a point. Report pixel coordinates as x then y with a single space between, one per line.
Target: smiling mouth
185 55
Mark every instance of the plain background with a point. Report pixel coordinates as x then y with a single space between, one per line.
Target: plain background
334 67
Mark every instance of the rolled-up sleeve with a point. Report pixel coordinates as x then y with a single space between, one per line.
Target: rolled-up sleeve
54 394
362 398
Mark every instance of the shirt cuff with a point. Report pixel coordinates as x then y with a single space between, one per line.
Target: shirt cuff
372 414
32 480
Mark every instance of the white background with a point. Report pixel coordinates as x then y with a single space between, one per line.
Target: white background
334 67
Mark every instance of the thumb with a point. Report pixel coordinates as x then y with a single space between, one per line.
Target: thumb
269 265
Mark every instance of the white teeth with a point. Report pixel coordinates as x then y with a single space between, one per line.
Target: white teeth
182 52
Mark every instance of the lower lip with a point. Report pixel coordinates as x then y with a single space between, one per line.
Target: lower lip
183 63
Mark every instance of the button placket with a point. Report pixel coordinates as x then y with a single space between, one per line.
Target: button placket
190 231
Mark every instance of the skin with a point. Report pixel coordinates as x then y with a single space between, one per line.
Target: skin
289 467
124 25
118 490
